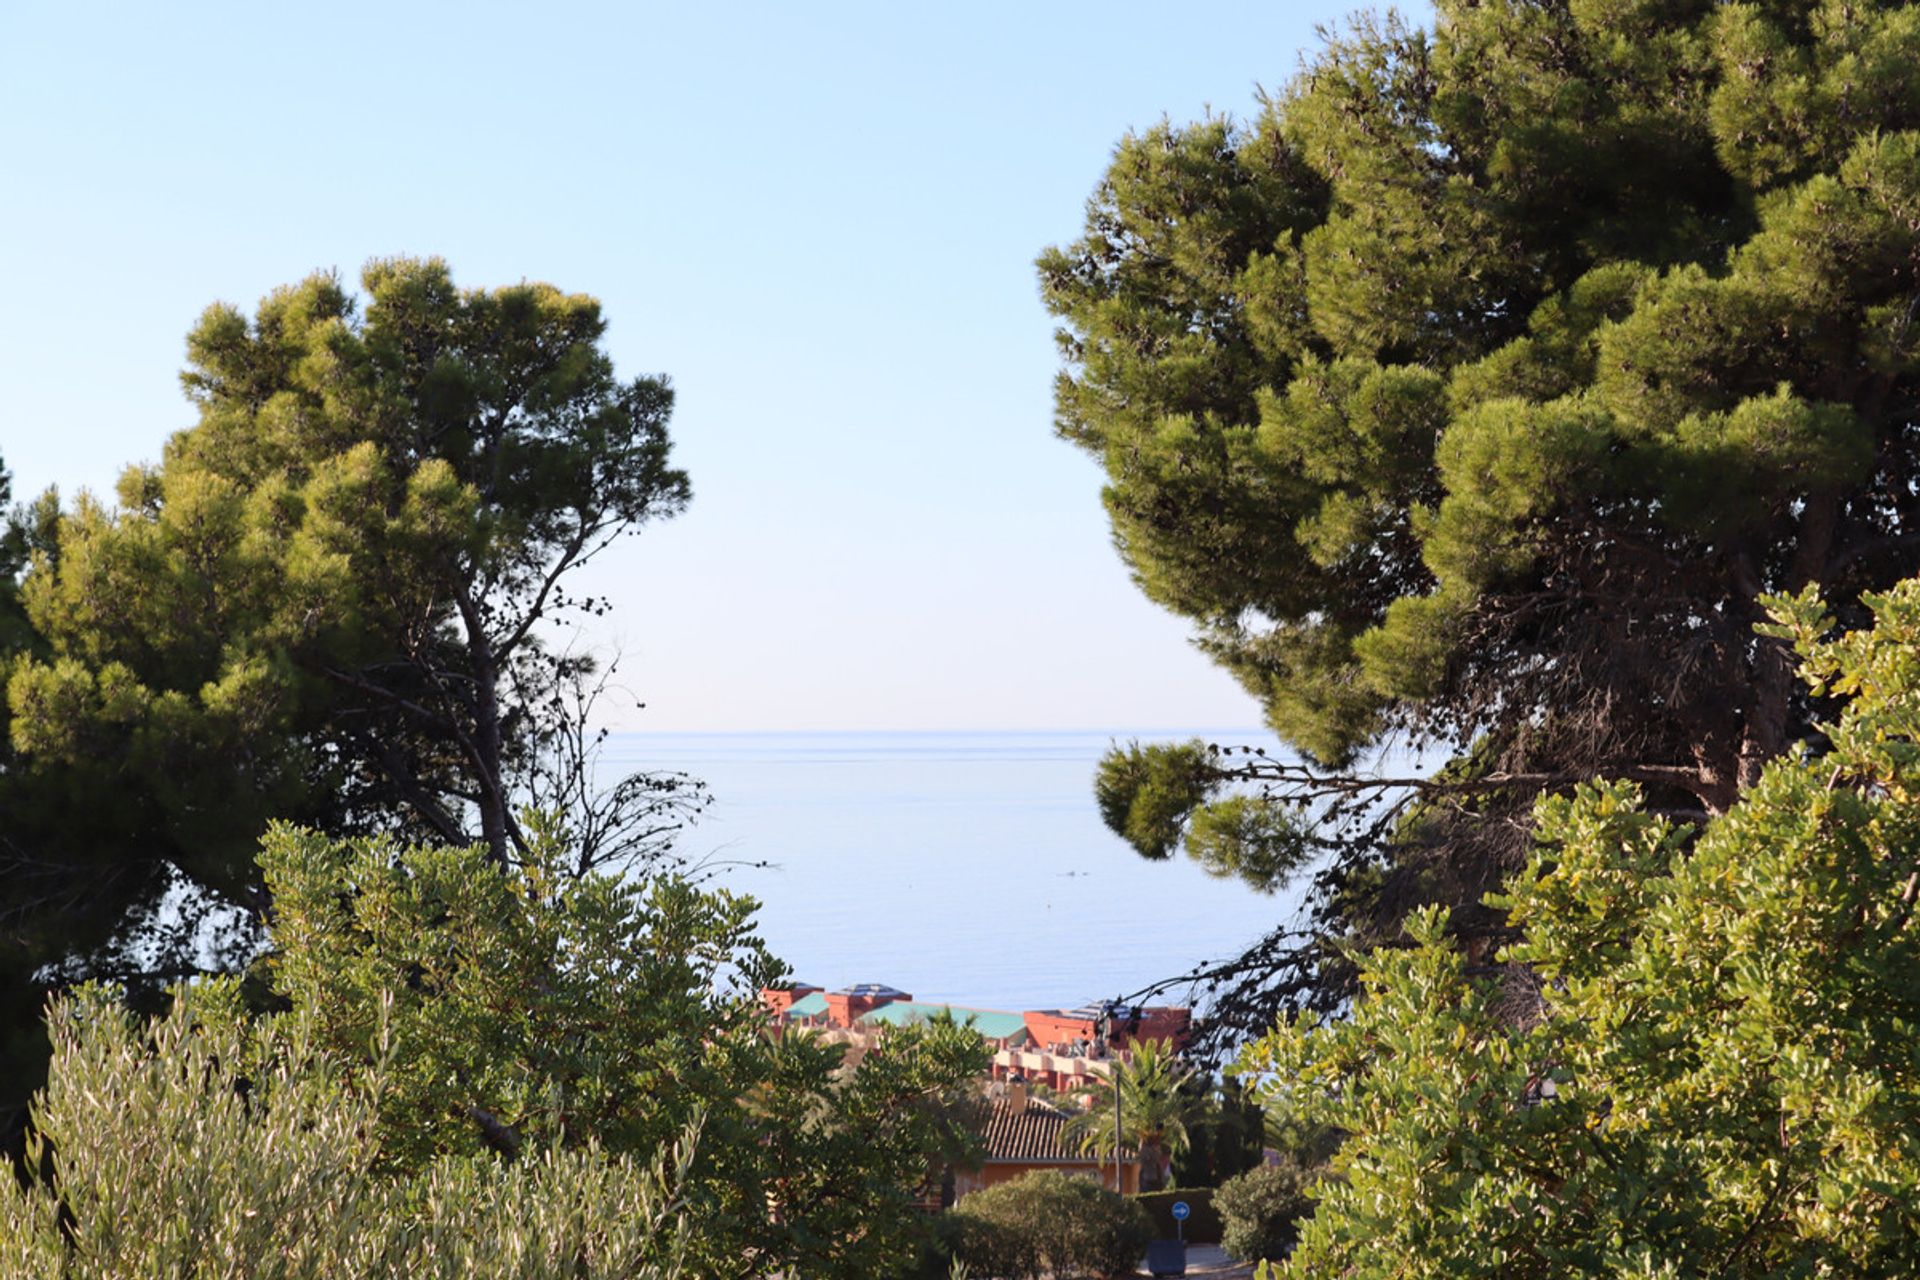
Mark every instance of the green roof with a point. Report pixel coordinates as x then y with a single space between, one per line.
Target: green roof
991 1023
811 1005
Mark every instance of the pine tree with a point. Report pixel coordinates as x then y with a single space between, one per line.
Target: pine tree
330 602
1471 394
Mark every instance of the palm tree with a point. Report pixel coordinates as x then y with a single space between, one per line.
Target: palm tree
1154 1111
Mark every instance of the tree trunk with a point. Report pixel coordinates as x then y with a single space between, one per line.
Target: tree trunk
1152 1166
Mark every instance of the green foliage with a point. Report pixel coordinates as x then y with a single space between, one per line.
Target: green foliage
1145 793
1157 797
1700 1057
22 942
1156 1107
1049 1224
1225 1137
326 605
15 633
940 1244
515 1009
1476 387
1253 839
1260 1210
1293 1127
508 1011
203 1145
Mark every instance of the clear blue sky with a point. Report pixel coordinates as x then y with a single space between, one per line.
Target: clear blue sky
820 220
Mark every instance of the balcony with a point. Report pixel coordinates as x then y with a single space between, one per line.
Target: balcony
1056 1070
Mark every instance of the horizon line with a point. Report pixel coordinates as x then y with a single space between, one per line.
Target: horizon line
1216 730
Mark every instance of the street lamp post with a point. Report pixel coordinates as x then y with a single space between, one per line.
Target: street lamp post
1105 1028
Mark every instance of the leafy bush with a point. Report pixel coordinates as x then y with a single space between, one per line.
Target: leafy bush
458 1043
1718 1071
939 1248
1260 1210
526 1008
202 1145
1048 1223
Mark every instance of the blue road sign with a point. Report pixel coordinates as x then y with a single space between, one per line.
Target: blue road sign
1180 1211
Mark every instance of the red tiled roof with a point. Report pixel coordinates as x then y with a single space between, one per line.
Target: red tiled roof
1031 1135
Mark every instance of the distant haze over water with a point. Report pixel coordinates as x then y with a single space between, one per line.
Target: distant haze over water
963 867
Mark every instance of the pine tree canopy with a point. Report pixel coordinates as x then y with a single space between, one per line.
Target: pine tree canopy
1474 390
331 601
331 591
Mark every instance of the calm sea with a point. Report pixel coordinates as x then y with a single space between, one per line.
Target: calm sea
962 867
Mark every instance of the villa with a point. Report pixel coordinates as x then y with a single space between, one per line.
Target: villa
1023 1134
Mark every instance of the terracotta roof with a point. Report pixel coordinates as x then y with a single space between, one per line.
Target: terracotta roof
1031 1135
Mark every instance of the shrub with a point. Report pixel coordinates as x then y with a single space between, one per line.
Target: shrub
1049 1223
522 1008
940 1246
197 1146
988 1244
1260 1210
461 1046
1725 1015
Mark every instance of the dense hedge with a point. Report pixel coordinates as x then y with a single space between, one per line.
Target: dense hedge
1203 1227
1045 1223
